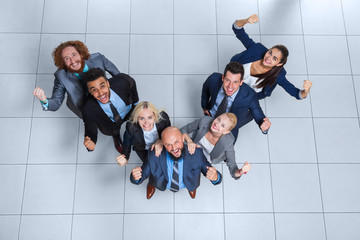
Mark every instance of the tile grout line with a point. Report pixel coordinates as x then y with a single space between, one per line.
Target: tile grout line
268 147
128 70
313 125
31 122
173 95
351 67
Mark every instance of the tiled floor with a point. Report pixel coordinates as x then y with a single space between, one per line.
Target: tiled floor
305 178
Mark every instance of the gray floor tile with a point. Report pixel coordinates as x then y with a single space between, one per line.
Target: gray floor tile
148 223
108 16
300 144
296 62
351 16
43 227
194 17
274 18
340 193
99 188
15 45
16 131
209 197
281 104
251 145
53 140
157 89
195 54
30 12
151 54
46 82
320 59
251 193
204 226
250 226
135 197
337 140
324 104
230 10
12 187
104 152
113 47
298 226
94 227
189 106
48 44
354 51
58 18
9 227
49 189
322 17
23 86
228 46
296 188
157 21
347 222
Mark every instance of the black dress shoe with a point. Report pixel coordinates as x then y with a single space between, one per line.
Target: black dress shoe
150 190
117 143
192 194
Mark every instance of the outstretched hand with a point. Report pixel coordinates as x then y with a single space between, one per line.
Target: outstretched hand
39 93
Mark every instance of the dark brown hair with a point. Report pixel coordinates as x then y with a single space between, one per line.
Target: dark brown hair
78 45
271 75
234 68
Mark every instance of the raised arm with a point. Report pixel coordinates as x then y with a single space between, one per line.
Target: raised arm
252 19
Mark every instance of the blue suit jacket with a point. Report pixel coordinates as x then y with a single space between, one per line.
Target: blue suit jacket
156 169
245 106
255 51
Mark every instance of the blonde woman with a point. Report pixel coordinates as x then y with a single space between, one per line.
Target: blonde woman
216 140
143 131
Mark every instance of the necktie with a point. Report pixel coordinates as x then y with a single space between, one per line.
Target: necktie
222 107
175 178
116 115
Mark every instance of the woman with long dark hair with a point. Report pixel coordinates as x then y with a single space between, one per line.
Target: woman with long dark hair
264 68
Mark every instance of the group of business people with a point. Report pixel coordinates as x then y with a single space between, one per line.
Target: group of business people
172 158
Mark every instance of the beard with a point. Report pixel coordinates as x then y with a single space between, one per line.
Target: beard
177 158
81 68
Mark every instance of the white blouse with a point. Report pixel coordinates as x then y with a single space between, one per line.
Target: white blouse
250 80
207 147
150 137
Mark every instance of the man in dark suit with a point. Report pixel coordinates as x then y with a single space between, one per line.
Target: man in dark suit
175 168
229 93
108 105
72 59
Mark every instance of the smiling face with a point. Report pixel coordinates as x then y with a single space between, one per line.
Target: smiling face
272 58
231 83
74 62
221 125
146 119
172 139
99 89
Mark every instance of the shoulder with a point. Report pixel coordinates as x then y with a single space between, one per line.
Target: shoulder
60 73
281 76
95 55
164 116
214 77
205 120
227 140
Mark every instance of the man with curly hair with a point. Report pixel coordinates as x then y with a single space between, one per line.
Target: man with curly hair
72 59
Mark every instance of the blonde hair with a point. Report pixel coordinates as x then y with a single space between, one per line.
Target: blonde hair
233 120
145 105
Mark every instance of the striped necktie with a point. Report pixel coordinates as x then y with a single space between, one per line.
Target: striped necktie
222 107
116 115
175 178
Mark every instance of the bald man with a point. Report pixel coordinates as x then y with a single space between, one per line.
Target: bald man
175 168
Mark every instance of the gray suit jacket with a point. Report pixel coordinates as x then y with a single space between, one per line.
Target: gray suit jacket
68 82
223 149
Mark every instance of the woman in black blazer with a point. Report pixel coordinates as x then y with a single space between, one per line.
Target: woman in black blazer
143 131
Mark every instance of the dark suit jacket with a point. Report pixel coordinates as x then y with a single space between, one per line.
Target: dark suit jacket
68 82
255 51
245 106
156 169
94 116
134 135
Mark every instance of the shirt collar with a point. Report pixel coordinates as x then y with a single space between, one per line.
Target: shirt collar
232 97
86 68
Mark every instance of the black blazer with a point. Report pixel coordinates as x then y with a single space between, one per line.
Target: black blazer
134 136
93 115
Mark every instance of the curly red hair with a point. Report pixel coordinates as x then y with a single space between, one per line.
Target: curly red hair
78 45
